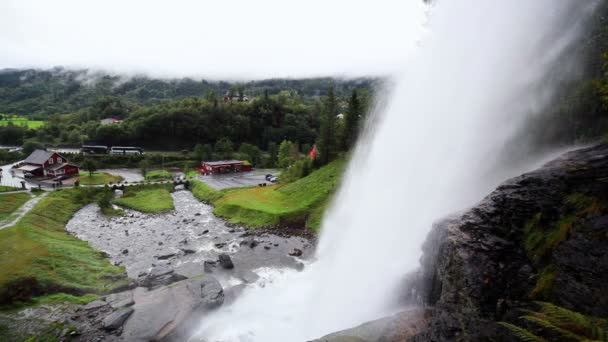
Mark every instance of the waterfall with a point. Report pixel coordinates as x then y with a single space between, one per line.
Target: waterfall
436 146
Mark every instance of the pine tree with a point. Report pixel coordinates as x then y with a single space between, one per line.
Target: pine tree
351 122
326 144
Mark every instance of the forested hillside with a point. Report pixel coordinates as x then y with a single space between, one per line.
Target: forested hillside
59 91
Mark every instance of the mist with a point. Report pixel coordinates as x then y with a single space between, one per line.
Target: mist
212 39
437 147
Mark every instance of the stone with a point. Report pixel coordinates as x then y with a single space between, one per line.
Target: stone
220 245
166 255
123 303
168 312
159 276
211 293
96 304
188 251
116 319
225 261
296 252
208 266
250 242
125 251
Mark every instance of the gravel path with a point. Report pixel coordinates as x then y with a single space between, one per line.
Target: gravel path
24 210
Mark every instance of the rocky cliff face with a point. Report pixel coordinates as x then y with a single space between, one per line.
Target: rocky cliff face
542 236
537 246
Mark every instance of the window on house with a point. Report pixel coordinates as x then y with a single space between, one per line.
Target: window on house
51 160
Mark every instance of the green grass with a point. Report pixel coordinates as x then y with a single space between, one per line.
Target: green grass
147 200
302 201
157 175
541 238
544 284
98 178
9 203
21 121
4 188
38 257
192 174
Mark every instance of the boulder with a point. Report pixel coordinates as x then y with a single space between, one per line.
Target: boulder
296 252
250 242
211 293
116 319
165 255
159 276
170 311
96 304
399 327
225 261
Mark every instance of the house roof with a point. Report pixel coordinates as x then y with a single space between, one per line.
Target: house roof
28 168
58 166
38 157
224 162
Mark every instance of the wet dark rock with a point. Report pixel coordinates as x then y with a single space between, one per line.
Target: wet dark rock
220 245
205 232
211 293
197 214
117 318
125 251
160 243
166 255
225 261
159 276
266 247
296 252
188 251
251 242
476 269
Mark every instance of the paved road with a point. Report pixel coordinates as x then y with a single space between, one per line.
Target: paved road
237 180
25 208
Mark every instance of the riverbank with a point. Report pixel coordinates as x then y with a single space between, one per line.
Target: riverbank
298 204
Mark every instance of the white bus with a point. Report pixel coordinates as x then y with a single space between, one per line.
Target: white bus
122 150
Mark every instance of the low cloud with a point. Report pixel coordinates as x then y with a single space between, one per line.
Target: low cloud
215 39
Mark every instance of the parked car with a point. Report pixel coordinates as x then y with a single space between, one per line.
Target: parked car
60 178
28 175
273 179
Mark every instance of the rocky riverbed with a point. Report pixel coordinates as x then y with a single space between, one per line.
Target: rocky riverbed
183 264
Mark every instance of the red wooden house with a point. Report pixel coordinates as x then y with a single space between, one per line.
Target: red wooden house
48 164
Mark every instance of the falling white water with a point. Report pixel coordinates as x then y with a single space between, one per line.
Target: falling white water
479 69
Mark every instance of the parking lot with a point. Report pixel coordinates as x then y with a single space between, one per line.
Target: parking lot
237 180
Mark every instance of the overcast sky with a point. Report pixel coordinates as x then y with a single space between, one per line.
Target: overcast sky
216 38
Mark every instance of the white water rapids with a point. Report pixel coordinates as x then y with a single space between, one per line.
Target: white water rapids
478 70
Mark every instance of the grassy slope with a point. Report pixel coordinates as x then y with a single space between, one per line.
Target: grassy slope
158 175
299 201
98 178
8 188
147 200
38 247
9 203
